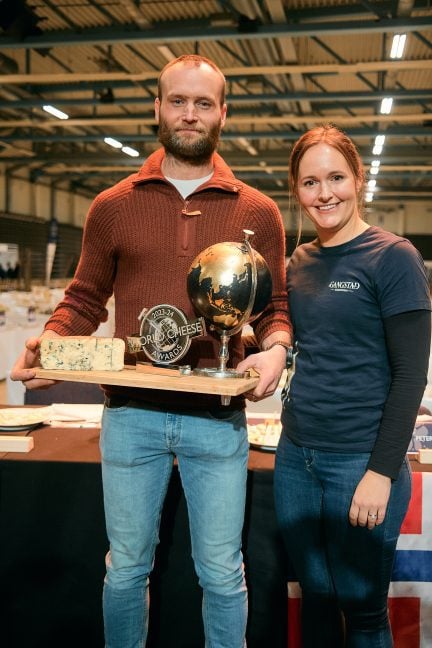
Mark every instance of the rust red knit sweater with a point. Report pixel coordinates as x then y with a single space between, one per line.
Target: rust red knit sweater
140 238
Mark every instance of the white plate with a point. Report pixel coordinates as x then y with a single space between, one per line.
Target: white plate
264 431
18 428
13 417
257 446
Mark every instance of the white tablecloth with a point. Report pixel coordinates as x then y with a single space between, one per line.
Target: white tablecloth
12 339
17 330
12 342
7 341
271 405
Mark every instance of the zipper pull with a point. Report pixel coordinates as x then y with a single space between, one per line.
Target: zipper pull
185 211
192 213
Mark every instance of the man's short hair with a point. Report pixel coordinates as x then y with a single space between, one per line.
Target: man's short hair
197 60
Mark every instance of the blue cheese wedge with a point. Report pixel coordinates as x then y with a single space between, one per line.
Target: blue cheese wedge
82 353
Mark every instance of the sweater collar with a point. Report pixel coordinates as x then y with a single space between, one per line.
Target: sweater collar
222 178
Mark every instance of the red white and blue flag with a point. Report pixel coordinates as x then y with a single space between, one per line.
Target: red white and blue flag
410 596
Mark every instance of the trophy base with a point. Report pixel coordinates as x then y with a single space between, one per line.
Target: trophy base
216 372
160 368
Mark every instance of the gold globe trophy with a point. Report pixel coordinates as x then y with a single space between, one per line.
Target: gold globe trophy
229 284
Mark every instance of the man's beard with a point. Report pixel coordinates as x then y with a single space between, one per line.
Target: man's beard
193 152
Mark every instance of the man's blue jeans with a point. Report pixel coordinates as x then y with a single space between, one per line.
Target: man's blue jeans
138 446
344 571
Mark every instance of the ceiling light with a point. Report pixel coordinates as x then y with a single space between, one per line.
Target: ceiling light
245 144
55 112
374 167
386 105
267 169
113 142
243 141
222 20
369 196
379 143
398 45
166 52
130 151
378 146
371 185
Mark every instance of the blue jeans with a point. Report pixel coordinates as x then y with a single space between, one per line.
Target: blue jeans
344 571
138 446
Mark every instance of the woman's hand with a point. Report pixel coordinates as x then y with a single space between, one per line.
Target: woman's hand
369 502
269 365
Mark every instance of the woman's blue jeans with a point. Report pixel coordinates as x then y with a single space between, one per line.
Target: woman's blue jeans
138 446
344 571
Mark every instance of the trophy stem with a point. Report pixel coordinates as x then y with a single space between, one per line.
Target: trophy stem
221 371
223 352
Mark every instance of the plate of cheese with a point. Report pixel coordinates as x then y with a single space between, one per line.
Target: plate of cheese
264 431
19 419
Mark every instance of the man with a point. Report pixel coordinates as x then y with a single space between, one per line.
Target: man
140 238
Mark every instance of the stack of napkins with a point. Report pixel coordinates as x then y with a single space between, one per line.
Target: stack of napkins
75 415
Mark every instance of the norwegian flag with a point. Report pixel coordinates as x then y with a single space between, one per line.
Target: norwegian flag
410 596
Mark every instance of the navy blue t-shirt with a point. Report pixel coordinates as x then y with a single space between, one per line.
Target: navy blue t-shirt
338 297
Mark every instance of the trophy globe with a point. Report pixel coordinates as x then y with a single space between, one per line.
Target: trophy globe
229 284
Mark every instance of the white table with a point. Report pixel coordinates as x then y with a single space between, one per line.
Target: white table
12 342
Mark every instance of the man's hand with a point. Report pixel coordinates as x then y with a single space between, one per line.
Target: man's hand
269 365
24 367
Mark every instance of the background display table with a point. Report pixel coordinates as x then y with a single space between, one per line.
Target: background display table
53 544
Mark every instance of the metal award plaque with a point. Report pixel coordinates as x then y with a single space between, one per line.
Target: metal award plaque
165 334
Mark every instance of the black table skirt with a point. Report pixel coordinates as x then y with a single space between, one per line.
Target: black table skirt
52 549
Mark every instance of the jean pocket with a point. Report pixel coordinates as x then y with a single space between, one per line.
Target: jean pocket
116 402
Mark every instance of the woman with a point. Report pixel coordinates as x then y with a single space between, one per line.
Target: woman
360 305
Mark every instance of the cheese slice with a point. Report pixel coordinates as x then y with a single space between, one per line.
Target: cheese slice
82 353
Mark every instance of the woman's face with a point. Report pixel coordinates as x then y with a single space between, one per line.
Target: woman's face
327 190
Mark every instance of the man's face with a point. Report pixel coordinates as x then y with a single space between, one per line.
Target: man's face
189 114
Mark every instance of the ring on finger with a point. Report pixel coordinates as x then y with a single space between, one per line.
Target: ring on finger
372 516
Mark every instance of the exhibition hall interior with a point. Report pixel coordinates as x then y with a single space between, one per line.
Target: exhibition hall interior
78 82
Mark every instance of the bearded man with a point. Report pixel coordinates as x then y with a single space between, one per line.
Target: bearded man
140 238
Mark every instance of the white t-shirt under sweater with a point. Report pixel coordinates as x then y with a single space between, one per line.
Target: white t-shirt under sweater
186 187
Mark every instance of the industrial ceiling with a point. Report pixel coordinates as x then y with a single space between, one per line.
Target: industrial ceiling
289 65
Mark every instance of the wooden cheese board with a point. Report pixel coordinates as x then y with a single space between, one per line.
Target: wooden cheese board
153 378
